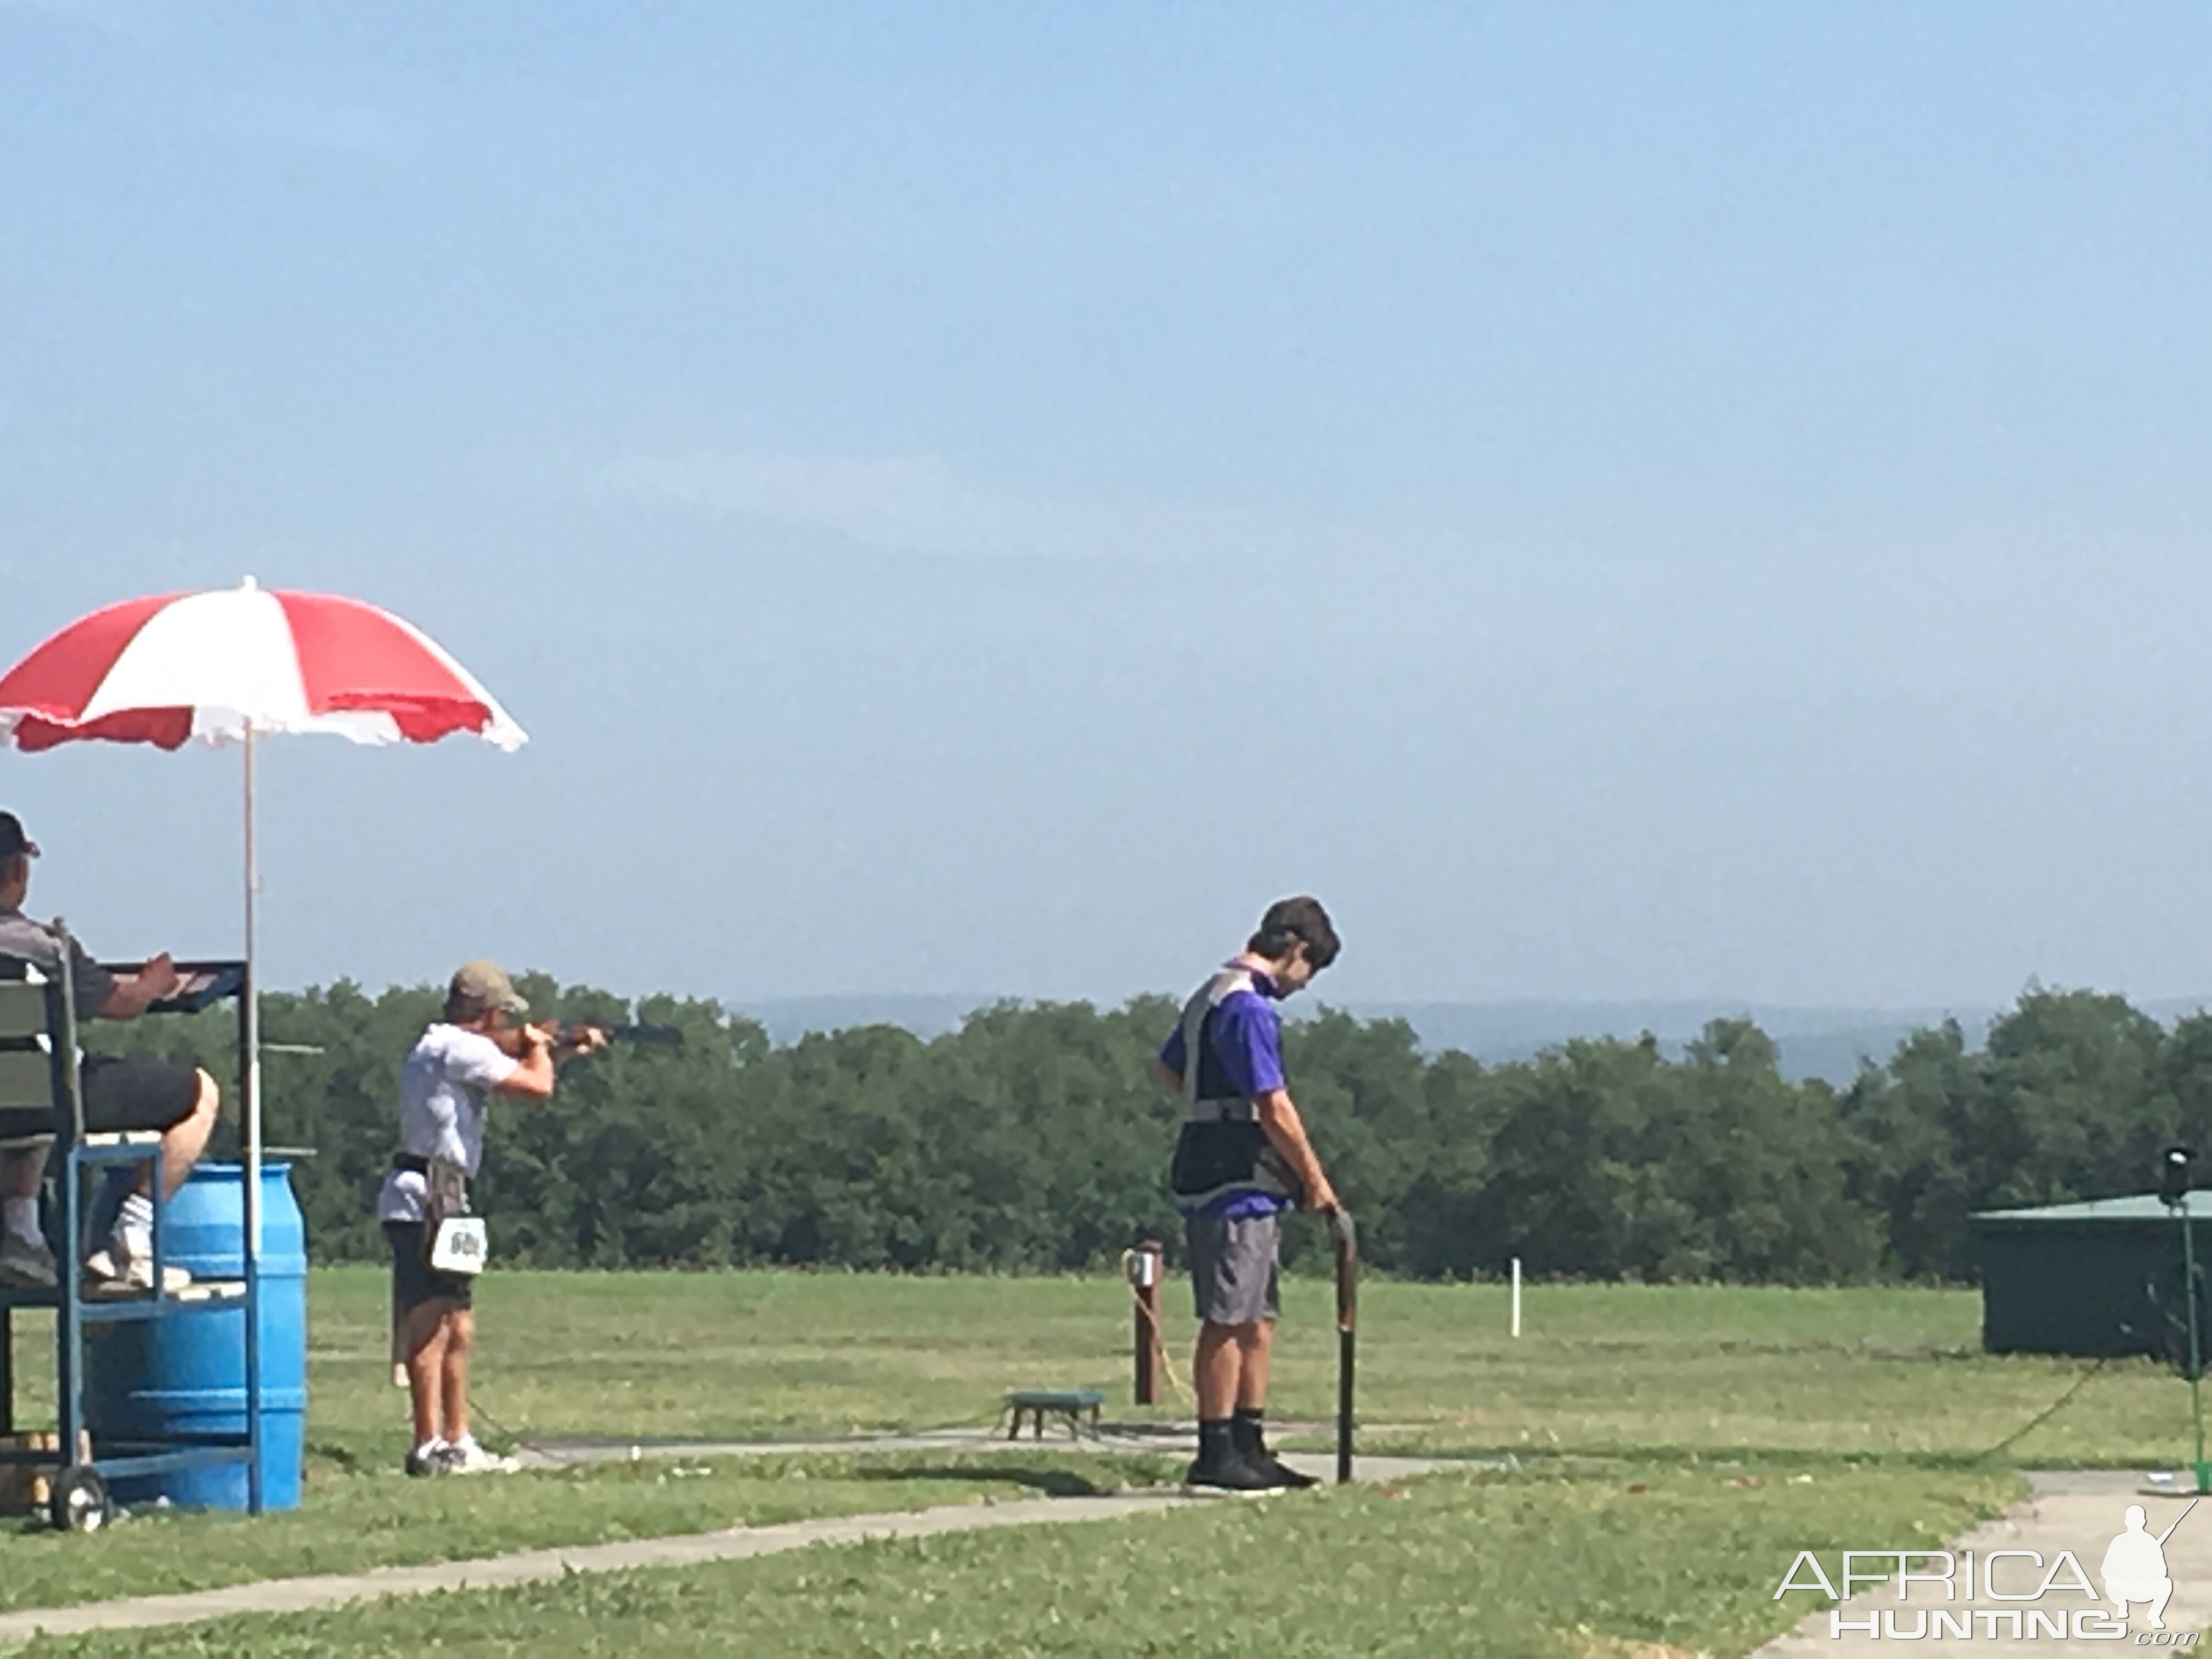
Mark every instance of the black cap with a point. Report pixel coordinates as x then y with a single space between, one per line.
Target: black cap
12 838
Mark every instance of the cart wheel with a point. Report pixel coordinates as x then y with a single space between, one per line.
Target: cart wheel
79 1500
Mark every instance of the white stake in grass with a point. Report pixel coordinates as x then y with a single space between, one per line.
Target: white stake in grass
1517 1296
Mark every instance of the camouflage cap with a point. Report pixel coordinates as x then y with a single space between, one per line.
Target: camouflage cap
478 986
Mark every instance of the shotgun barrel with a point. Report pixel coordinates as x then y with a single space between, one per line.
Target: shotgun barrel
1346 1240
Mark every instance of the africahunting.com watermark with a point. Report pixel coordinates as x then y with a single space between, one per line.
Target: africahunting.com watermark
2053 1600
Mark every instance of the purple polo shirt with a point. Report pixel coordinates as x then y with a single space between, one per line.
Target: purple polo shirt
1241 1053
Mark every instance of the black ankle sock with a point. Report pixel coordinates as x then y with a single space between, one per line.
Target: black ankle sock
1216 1440
1247 1431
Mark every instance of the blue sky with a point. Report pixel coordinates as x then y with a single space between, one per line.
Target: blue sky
1620 500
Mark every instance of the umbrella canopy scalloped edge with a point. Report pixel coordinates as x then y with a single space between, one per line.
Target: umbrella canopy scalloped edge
170 668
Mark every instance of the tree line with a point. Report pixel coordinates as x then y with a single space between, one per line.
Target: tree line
1034 1138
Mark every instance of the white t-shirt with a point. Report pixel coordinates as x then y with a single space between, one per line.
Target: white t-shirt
443 1089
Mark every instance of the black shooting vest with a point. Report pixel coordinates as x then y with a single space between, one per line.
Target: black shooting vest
1222 1152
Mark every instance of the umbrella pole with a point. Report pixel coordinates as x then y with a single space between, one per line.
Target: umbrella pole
251 1116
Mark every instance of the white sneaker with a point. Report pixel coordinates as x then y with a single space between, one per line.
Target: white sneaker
26 1266
114 1274
467 1457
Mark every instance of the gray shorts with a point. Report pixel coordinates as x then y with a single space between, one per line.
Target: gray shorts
1232 1268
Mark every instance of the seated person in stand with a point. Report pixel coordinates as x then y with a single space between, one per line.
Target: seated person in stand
127 1092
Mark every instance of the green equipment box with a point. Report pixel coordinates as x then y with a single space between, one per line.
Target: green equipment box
2099 1279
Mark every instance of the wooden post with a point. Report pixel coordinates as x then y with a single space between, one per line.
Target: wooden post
1145 1264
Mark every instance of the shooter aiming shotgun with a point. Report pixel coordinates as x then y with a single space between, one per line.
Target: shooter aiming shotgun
474 1053
567 1039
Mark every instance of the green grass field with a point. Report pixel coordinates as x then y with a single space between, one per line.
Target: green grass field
1748 1416
1585 1564
1645 1371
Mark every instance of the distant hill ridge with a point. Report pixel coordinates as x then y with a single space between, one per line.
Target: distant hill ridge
1830 1044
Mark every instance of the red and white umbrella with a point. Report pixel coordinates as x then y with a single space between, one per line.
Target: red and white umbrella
220 665
233 665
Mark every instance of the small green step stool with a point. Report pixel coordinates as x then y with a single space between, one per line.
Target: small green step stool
1076 1406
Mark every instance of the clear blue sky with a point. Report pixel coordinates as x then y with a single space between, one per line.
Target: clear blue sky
1620 500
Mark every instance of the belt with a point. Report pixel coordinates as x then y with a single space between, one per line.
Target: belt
408 1163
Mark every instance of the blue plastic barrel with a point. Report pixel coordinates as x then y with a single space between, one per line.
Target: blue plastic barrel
159 1378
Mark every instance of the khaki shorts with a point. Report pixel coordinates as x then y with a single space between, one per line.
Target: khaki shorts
1233 1267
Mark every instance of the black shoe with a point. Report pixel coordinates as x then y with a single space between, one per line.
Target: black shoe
420 1465
1251 1443
1231 1471
1281 1474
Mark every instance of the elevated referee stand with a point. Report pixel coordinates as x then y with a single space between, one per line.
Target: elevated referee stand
40 1071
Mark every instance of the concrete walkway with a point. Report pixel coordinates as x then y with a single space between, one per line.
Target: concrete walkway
1163 1439
535 1566
2076 1511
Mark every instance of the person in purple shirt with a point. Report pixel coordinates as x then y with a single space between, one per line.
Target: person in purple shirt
1240 1160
